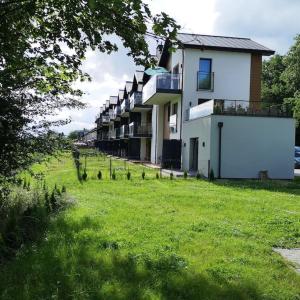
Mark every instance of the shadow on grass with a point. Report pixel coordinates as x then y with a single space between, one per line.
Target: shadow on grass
289 187
77 263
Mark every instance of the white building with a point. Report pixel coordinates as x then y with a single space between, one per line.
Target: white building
207 111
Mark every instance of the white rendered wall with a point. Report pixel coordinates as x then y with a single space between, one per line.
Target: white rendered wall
252 144
157 133
231 76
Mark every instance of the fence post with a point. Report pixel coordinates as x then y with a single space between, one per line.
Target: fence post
110 168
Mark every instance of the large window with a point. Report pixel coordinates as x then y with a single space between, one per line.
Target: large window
204 76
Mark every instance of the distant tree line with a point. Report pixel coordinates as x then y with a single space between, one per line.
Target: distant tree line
281 81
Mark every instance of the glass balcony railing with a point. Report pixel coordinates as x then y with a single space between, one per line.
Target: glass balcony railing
140 130
124 131
125 106
136 99
238 107
161 83
117 110
105 119
205 81
118 130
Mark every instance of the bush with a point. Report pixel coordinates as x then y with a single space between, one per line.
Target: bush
99 175
211 175
128 175
113 175
84 175
171 176
157 176
198 175
63 189
185 174
143 175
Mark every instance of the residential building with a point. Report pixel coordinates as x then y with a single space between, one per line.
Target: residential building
206 112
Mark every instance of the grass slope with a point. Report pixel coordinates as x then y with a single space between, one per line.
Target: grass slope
160 239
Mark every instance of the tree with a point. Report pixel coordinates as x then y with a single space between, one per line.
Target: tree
42 46
73 135
274 88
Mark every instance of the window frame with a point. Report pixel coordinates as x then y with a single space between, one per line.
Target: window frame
210 72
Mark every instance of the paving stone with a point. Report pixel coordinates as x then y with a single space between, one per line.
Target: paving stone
291 255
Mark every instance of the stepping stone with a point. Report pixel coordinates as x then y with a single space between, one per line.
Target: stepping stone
291 255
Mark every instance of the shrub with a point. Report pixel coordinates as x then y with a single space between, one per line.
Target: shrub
171 176
63 189
143 175
47 202
211 175
157 176
99 175
28 186
198 175
185 174
128 175
113 175
84 175
25 184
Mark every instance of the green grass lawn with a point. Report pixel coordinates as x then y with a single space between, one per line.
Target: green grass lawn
160 239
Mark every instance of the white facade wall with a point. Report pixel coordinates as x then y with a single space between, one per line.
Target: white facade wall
157 133
253 144
231 76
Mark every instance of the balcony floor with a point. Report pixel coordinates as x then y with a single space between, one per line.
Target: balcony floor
163 97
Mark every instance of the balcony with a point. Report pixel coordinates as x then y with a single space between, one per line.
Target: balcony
238 108
205 81
104 136
140 130
112 115
173 123
136 102
105 120
162 88
117 112
112 134
124 132
125 107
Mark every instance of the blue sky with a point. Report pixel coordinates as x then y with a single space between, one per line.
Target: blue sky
274 23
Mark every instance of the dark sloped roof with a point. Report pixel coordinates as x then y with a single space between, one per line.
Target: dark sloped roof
222 43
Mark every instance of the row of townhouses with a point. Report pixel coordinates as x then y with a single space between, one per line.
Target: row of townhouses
200 109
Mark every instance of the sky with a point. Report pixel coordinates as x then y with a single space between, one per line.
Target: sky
273 23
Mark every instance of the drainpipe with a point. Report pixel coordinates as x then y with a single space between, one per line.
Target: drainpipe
220 125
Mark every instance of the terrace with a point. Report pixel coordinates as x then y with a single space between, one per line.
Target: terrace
237 108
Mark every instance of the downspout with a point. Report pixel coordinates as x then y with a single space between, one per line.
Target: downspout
220 125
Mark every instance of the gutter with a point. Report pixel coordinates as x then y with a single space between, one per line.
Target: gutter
220 125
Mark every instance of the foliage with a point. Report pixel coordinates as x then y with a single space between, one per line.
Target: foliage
157 176
24 215
113 175
73 135
84 175
128 175
42 46
171 176
99 175
281 79
198 175
185 174
143 175
211 175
